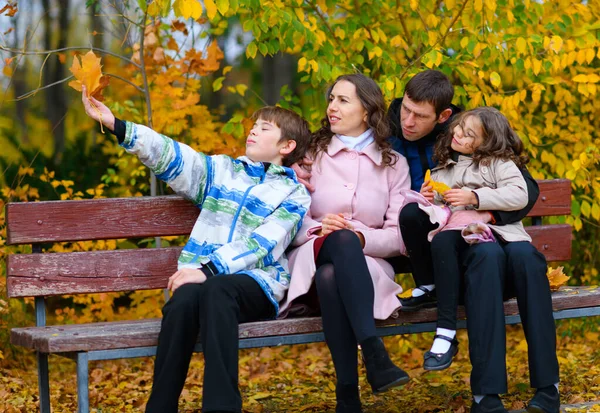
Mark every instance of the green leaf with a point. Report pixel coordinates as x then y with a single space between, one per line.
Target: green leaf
586 209
575 208
223 6
263 49
218 83
251 50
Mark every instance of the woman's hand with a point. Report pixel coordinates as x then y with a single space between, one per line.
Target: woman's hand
185 276
302 169
427 191
461 197
98 110
334 222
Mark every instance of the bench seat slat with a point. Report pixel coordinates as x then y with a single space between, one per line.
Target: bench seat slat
143 269
114 218
142 333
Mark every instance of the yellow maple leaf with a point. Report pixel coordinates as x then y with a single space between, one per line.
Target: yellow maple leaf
88 73
187 9
438 187
557 278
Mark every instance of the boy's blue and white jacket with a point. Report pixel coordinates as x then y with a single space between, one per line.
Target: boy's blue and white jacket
248 216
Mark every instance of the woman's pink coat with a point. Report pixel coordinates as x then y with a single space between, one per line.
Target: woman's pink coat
355 184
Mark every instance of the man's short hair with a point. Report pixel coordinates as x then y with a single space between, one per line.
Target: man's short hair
293 127
431 86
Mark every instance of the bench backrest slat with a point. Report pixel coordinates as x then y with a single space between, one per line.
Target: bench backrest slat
93 219
554 199
140 269
113 218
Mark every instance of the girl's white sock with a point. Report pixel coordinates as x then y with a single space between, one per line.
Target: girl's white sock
416 292
440 345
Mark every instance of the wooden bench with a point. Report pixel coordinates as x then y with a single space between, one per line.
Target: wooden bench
41 275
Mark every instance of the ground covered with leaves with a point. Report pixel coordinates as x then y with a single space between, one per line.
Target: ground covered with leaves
301 378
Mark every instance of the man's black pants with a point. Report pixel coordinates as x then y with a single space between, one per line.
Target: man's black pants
214 309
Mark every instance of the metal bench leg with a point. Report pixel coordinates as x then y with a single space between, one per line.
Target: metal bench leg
83 402
43 382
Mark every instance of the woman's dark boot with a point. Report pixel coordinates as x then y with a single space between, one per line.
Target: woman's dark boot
382 374
348 399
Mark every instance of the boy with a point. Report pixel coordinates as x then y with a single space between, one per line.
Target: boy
233 268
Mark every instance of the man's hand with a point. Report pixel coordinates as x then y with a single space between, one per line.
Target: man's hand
460 197
334 222
302 170
97 110
427 191
185 276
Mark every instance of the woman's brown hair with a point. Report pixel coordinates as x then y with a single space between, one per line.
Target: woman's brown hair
499 139
371 98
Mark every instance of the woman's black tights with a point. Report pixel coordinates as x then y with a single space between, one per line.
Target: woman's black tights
346 295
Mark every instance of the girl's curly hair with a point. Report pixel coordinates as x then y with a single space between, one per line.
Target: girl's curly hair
372 100
499 139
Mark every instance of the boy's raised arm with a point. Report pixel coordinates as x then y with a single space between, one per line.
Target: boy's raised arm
186 171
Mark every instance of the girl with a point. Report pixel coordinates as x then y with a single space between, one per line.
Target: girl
351 227
479 158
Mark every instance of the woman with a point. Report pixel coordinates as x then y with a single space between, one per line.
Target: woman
351 227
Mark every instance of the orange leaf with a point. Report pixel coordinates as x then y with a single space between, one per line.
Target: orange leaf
557 278
10 9
89 74
439 187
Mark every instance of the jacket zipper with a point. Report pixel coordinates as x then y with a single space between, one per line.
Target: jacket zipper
239 210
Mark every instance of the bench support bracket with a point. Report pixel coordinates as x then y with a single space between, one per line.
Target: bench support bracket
43 382
83 401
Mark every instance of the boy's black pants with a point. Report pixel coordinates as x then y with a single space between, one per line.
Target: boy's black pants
493 272
214 309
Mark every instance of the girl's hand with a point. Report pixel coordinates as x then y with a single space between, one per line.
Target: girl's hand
427 191
98 110
334 222
460 197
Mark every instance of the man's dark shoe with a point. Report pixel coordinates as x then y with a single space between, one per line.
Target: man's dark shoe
441 361
491 403
427 300
546 400
348 399
382 373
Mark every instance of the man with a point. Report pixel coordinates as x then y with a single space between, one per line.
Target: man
418 118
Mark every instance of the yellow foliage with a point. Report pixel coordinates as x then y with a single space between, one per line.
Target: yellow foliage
188 9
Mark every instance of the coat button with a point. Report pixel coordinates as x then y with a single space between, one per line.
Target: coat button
350 185
352 155
484 170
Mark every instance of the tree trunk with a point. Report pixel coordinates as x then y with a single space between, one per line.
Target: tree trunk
19 83
56 107
277 71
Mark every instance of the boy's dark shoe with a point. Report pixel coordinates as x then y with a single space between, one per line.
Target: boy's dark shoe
348 399
382 373
427 300
491 403
545 400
